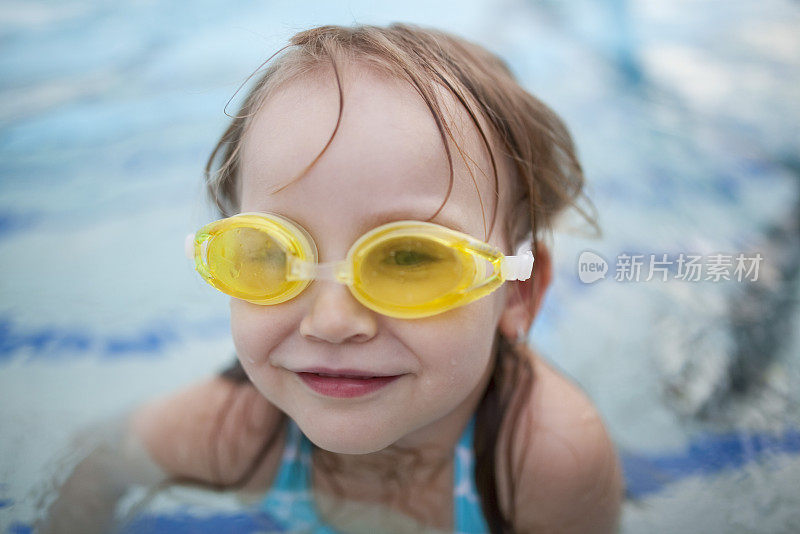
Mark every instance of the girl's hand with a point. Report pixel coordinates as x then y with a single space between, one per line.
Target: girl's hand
211 433
87 501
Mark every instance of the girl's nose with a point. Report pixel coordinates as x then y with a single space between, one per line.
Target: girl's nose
335 316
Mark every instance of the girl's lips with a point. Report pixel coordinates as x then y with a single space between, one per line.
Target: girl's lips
345 387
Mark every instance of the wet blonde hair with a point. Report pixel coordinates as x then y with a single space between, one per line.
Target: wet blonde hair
547 176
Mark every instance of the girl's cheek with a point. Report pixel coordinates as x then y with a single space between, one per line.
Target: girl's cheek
456 353
258 331
248 334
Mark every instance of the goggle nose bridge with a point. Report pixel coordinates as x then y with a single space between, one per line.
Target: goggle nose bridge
335 271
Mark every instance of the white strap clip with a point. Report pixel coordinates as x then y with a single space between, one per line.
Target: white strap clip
519 267
188 246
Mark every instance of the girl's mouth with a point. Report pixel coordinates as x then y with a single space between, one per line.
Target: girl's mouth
343 386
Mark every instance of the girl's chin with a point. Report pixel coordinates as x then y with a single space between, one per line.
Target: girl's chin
354 449
348 438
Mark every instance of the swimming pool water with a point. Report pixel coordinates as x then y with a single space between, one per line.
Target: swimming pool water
686 119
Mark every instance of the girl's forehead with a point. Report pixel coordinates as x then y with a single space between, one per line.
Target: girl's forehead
387 154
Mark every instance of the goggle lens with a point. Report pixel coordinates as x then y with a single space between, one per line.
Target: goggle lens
408 271
248 261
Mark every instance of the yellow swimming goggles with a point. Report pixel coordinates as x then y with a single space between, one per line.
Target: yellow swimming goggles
405 269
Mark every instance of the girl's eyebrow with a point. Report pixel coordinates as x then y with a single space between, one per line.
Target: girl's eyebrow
374 220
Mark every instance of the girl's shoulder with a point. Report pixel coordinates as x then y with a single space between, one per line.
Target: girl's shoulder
562 454
216 432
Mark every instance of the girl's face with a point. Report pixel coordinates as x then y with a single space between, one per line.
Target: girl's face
385 163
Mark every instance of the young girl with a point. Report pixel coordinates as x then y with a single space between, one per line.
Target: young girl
379 191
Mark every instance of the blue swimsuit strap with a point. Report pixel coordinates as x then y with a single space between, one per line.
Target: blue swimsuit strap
290 502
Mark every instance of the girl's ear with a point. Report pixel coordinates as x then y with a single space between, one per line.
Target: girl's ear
525 297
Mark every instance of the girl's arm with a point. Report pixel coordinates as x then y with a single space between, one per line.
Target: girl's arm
210 433
570 475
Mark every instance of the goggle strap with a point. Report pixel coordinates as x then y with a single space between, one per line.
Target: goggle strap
517 267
